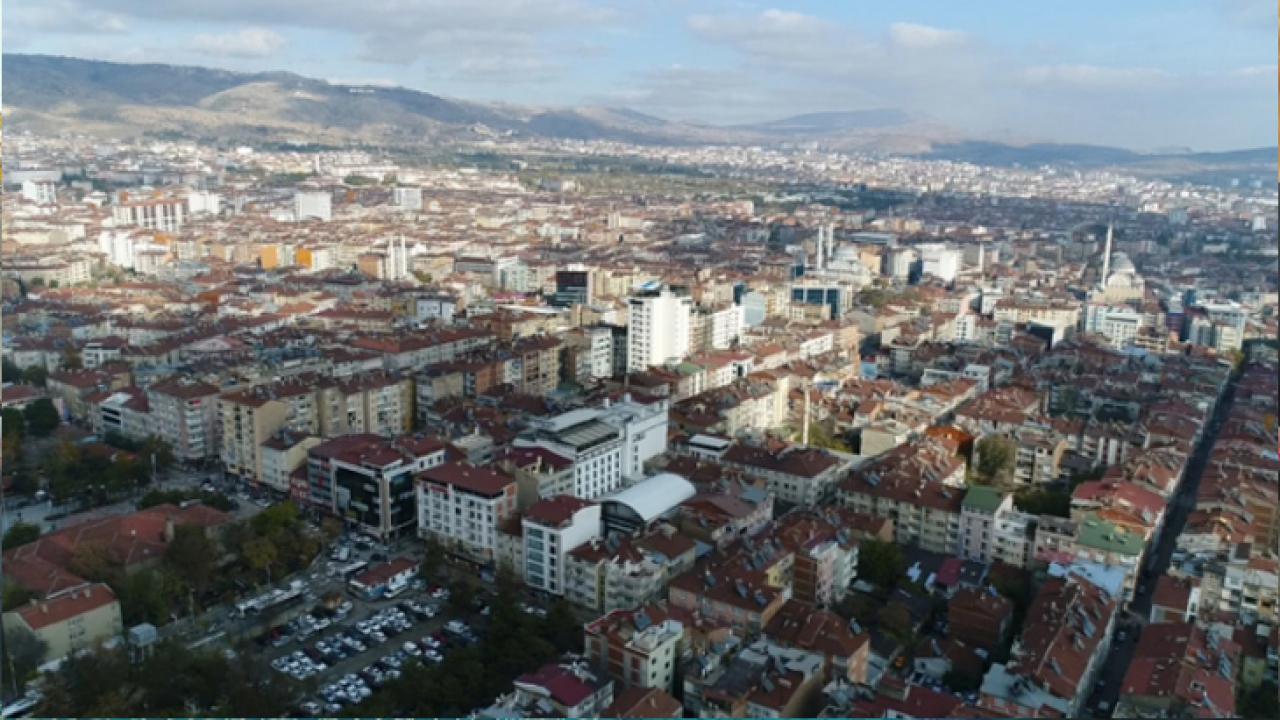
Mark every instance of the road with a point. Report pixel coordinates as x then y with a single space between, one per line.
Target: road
1117 663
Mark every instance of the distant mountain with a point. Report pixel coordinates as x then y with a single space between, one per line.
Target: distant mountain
119 100
1094 156
828 122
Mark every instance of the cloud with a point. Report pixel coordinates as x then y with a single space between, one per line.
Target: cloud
507 70
450 37
923 37
1092 77
70 17
251 42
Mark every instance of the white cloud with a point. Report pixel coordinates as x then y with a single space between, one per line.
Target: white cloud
69 17
1093 77
923 37
254 42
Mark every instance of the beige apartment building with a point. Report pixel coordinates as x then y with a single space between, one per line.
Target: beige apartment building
71 621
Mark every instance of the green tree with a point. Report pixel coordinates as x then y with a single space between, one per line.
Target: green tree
434 558
10 371
36 375
42 417
160 449
562 628
996 456
192 556
14 421
894 620
145 596
14 595
260 554
275 518
11 449
881 563
20 533
96 561
72 360
461 595
1260 702
24 652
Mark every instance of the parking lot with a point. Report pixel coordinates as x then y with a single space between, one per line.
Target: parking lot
345 655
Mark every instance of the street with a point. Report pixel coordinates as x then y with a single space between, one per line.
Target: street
1117 663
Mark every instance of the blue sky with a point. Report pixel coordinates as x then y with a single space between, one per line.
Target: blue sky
1136 73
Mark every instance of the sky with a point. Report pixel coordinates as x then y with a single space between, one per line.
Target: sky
1142 74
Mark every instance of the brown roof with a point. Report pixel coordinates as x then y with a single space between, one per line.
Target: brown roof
801 625
43 613
556 511
480 480
638 702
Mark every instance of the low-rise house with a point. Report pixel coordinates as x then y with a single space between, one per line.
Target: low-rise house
379 580
72 621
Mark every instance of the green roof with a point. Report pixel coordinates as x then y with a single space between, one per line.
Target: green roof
1099 534
689 368
983 498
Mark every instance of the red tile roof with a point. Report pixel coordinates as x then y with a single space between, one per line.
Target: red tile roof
556 511
480 480
43 613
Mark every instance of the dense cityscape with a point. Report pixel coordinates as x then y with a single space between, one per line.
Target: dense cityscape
789 433
582 359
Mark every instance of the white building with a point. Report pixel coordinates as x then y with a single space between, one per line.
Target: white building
1119 325
204 202
161 215
607 445
462 505
317 205
939 261
40 192
118 246
658 327
408 198
552 528
726 326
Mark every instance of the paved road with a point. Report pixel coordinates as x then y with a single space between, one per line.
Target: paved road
1117 663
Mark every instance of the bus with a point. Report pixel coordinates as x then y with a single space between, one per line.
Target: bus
395 592
353 569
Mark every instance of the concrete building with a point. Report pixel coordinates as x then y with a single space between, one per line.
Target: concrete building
939 261
161 215
658 327
408 198
185 414
639 647
552 529
313 206
248 419
72 621
462 505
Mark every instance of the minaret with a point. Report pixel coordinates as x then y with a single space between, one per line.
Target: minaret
817 255
1106 259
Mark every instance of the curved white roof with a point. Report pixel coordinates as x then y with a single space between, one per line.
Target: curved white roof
652 497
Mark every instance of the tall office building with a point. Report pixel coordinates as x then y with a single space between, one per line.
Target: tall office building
658 326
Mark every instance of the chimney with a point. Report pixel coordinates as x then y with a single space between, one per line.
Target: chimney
44 608
168 528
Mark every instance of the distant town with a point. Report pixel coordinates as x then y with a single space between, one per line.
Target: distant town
551 428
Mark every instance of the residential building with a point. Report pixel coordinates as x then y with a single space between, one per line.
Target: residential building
979 617
552 528
73 621
185 414
797 474
462 505
249 419
911 486
639 647
657 327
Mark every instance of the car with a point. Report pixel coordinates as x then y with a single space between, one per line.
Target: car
1121 635
379 636
346 606
412 648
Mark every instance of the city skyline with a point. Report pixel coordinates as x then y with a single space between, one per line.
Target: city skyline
1089 73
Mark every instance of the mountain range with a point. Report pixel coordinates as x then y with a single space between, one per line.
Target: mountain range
116 99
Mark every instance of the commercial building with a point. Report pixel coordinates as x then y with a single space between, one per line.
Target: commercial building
552 529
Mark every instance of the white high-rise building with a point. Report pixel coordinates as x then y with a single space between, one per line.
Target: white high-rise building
408 198
726 326
160 214
658 327
939 261
118 247
318 205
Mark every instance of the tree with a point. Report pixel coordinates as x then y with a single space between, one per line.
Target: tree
433 560
11 450
14 595
260 554
881 563
42 417
895 621
159 448
72 360
562 627
461 595
36 375
24 652
330 529
10 371
996 456
277 517
145 596
20 533
95 561
15 423
192 556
